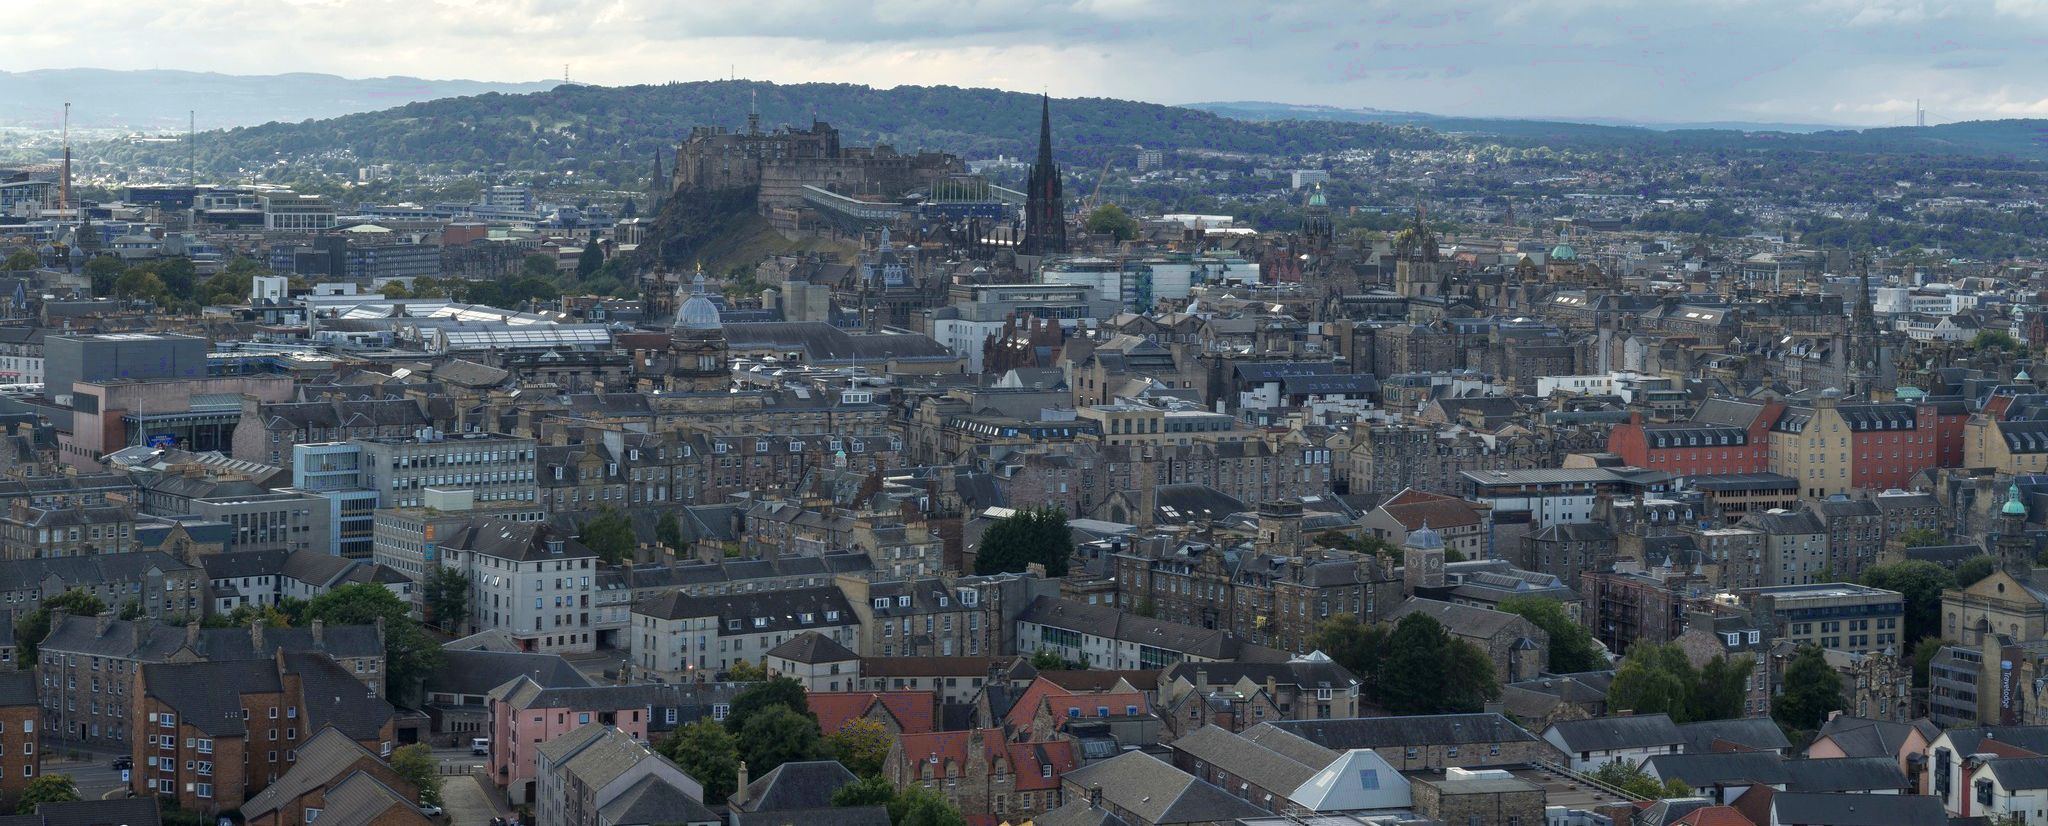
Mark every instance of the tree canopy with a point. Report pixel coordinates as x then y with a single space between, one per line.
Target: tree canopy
1572 647
779 691
1034 535
861 745
1975 568
409 654
609 534
446 596
1632 778
1812 690
776 735
47 788
1921 583
415 762
707 752
1425 670
1113 221
1658 678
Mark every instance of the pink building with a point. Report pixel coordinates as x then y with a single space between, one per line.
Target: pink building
524 714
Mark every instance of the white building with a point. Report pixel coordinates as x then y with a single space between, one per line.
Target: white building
527 581
288 211
679 636
1593 743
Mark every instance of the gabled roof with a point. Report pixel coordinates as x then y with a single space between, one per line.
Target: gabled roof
1157 793
1360 779
1758 733
807 784
1261 766
322 758
477 672
1858 737
1726 768
914 711
1418 730
651 800
1614 733
811 648
1807 809
1845 774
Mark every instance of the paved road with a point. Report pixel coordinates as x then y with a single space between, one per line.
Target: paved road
92 771
468 802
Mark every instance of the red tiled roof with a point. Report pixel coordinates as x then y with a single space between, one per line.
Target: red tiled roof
1447 512
1027 758
1715 816
1410 496
914 711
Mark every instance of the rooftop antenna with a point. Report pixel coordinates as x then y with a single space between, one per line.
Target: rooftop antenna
192 146
1919 114
565 74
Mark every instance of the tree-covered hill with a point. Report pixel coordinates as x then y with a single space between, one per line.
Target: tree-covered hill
575 125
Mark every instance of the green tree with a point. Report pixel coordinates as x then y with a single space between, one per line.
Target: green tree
861 745
757 698
1994 340
48 788
1633 779
416 764
1572 648
427 286
668 530
919 806
590 261
745 671
178 276
1427 671
1046 659
446 597
1113 221
409 654
539 266
776 735
30 630
142 284
707 752
132 610
1812 689
1975 568
105 272
871 790
1035 535
1922 537
1923 656
1654 679
1352 644
392 289
20 260
1722 689
1921 582
609 534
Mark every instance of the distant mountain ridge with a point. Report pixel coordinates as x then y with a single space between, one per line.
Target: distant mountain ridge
159 99
1268 110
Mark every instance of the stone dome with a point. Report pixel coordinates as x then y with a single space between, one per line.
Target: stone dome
1424 538
698 313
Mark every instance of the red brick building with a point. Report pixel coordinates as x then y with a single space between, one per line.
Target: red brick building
216 733
981 773
21 749
1696 448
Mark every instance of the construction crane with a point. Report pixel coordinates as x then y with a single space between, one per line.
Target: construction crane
1088 203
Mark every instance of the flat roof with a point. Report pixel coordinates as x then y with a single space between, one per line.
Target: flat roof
1819 590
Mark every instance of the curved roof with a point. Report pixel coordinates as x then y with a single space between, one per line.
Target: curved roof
698 313
1563 252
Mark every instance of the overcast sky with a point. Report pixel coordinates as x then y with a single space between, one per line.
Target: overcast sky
1820 61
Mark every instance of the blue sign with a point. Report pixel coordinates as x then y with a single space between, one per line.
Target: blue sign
163 441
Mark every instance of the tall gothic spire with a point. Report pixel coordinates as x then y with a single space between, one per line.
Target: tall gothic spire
1045 212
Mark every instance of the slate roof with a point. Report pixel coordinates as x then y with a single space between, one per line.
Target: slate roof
1801 521
192 690
806 784
1308 673
1614 733
149 641
29 574
1858 737
18 688
322 758
784 610
334 697
1466 620
136 811
1419 730
361 800
2021 773
1727 768
1107 622
812 647
1845 774
1759 733
1263 767
1683 435
1157 793
651 800
1807 809
477 672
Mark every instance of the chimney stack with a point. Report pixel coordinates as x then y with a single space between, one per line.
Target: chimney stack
739 794
102 623
191 635
256 637
319 632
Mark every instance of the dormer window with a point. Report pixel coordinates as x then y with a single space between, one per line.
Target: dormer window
881 602
760 445
903 602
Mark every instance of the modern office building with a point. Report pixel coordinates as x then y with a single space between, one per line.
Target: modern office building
1837 615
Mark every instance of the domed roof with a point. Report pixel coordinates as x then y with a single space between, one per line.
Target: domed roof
1563 252
2013 507
1315 199
698 313
1424 539
1831 393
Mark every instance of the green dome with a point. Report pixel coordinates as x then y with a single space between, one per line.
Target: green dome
2012 502
1563 252
1315 199
1909 392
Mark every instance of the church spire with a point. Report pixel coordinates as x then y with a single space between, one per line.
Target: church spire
1045 219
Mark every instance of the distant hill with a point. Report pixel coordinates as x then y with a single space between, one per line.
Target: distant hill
2016 139
1266 110
578 126
161 99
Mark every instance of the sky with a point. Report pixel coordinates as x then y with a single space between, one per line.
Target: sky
1853 62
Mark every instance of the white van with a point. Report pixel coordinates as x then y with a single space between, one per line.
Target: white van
480 746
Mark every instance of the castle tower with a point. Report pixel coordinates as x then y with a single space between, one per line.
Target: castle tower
1422 560
2015 548
1045 218
1416 264
697 347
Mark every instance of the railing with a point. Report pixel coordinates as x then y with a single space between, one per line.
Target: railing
1576 777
